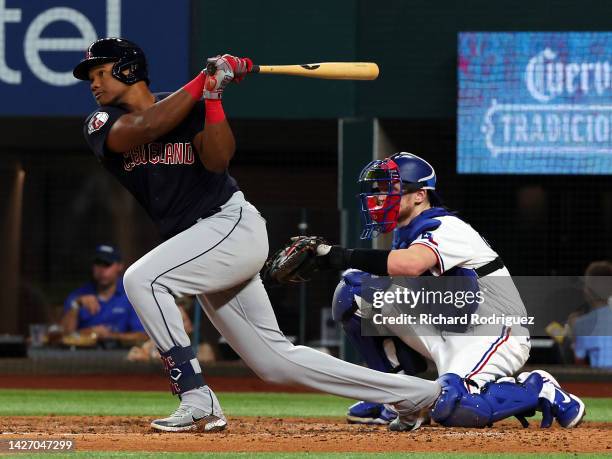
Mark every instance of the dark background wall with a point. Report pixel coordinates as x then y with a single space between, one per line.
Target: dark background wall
537 222
276 32
416 42
541 225
287 131
72 204
413 41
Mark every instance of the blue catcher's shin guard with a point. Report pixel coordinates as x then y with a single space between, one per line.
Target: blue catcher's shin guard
456 407
410 361
344 306
370 347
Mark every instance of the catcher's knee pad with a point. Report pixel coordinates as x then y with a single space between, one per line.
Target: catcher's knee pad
354 286
456 407
344 303
183 369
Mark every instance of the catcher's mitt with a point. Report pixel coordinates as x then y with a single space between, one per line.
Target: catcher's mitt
295 262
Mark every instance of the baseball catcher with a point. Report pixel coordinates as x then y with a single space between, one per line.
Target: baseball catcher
476 364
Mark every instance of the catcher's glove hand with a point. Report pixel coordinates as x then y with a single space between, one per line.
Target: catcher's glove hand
295 262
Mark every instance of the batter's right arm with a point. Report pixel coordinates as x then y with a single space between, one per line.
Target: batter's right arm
143 126
215 144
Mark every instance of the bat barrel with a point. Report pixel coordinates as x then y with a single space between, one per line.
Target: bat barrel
324 70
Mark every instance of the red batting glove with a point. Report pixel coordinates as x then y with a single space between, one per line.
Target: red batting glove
221 70
240 65
215 83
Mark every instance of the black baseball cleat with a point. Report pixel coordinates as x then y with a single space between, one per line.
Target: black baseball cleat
189 418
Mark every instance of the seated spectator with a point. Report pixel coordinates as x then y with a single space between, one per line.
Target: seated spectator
101 307
147 351
592 331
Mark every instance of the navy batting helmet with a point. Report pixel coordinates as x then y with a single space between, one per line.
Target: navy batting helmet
125 54
383 182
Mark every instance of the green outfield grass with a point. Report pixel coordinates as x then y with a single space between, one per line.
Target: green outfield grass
119 403
20 402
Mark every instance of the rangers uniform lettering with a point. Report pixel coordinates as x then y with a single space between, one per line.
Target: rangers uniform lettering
171 153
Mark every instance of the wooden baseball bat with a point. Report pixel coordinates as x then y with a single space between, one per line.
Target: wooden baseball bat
324 70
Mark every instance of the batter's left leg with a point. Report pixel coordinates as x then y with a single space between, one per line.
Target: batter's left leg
189 263
245 318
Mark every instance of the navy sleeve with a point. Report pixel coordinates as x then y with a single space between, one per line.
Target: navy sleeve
98 125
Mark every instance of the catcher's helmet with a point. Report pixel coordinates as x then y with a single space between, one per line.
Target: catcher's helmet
125 54
383 182
415 171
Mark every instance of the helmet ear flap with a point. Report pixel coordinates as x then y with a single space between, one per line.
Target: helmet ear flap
135 71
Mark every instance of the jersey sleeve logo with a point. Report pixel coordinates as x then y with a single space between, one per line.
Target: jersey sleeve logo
96 122
428 237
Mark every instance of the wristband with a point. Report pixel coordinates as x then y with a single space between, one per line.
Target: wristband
372 261
214 111
195 87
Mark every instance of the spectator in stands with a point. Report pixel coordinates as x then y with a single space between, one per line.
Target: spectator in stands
147 351
101 307
592 331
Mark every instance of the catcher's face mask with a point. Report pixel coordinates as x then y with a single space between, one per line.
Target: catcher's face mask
380 196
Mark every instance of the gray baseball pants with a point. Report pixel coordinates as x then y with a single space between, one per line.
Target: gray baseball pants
218 259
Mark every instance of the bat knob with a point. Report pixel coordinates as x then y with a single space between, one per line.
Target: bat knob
211 68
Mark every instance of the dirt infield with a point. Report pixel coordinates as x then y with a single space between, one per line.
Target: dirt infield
302 435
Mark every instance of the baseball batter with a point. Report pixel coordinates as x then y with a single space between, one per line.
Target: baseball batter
475 363
171 151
